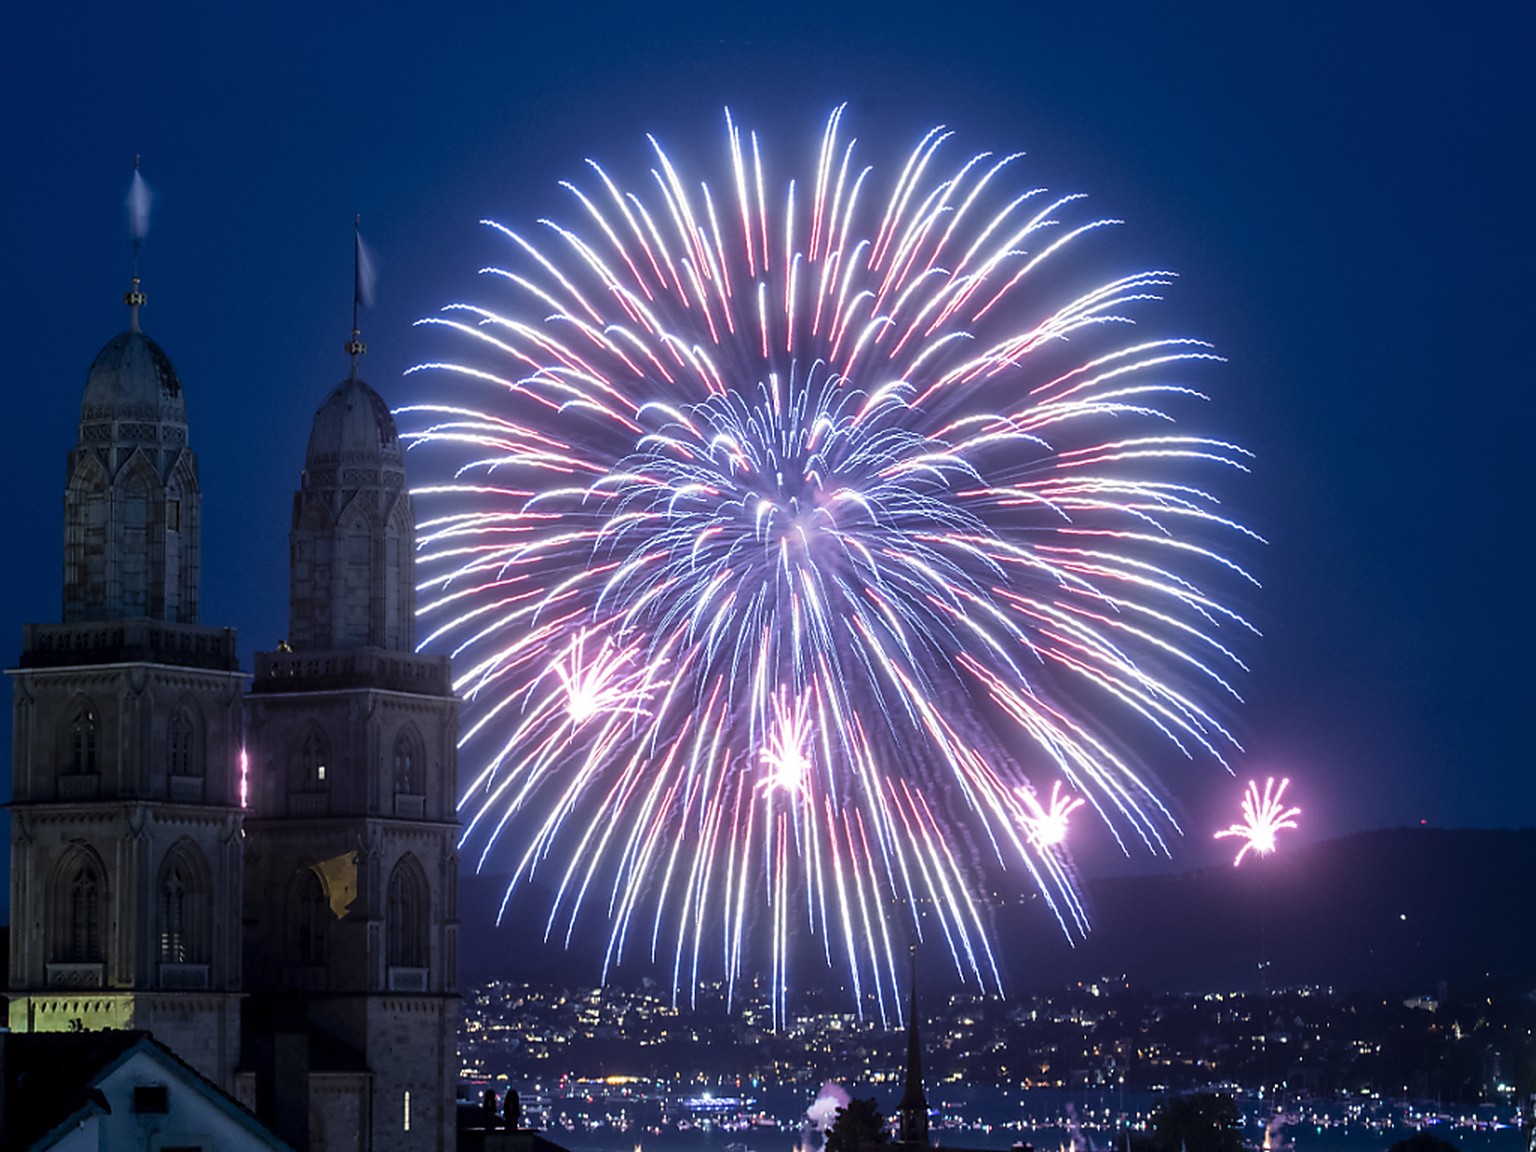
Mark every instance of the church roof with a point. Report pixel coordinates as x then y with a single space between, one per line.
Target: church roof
133 378
353 425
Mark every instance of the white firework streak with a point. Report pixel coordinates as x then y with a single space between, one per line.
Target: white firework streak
862 547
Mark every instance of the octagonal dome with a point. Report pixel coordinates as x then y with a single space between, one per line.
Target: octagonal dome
354 426
133 379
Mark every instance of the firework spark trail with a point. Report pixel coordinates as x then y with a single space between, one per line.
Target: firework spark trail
783 532
1264 817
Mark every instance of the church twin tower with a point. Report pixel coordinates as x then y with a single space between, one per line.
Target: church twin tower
265 880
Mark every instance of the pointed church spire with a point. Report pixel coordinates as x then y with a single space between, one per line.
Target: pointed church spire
132 502
138 226
353 541
362 288
912 1112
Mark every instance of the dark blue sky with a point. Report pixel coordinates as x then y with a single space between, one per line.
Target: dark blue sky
1345 190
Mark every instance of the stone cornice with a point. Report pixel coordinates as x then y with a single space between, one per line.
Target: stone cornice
407 673
133 641
82 812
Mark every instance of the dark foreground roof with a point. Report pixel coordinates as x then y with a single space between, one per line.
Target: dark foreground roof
48 1079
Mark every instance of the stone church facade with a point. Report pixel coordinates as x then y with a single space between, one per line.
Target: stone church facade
265 879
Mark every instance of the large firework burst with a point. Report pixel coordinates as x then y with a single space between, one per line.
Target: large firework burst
790 531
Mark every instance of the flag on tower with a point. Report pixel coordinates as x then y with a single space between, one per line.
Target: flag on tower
364 272
138 202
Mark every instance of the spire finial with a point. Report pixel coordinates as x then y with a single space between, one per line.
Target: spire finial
912 1112
135 299
912 983
362 289
138 227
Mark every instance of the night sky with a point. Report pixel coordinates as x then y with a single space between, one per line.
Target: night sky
1345 190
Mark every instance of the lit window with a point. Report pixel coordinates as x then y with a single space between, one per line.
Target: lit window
405 1125
312 757
173 918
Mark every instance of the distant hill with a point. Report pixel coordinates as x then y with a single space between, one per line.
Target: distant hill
1390 910
1395 910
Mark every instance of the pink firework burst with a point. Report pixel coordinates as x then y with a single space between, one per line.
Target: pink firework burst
1046 824
1264 816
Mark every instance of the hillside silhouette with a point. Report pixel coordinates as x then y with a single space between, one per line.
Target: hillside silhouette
1398 910
1389 910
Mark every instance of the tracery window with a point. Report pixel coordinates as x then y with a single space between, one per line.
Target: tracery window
173 919
85 919
183 906
80 901
406 916
182 738
311 914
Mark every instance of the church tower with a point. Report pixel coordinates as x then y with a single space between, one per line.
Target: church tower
351 885
125 841
912 1112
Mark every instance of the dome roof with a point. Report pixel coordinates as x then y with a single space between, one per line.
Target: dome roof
353 426
131 378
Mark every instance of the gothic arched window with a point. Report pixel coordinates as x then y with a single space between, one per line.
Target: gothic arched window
81 758
407 764
85 917
184 747
311 914
80 902
406 916
173 918
184 907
